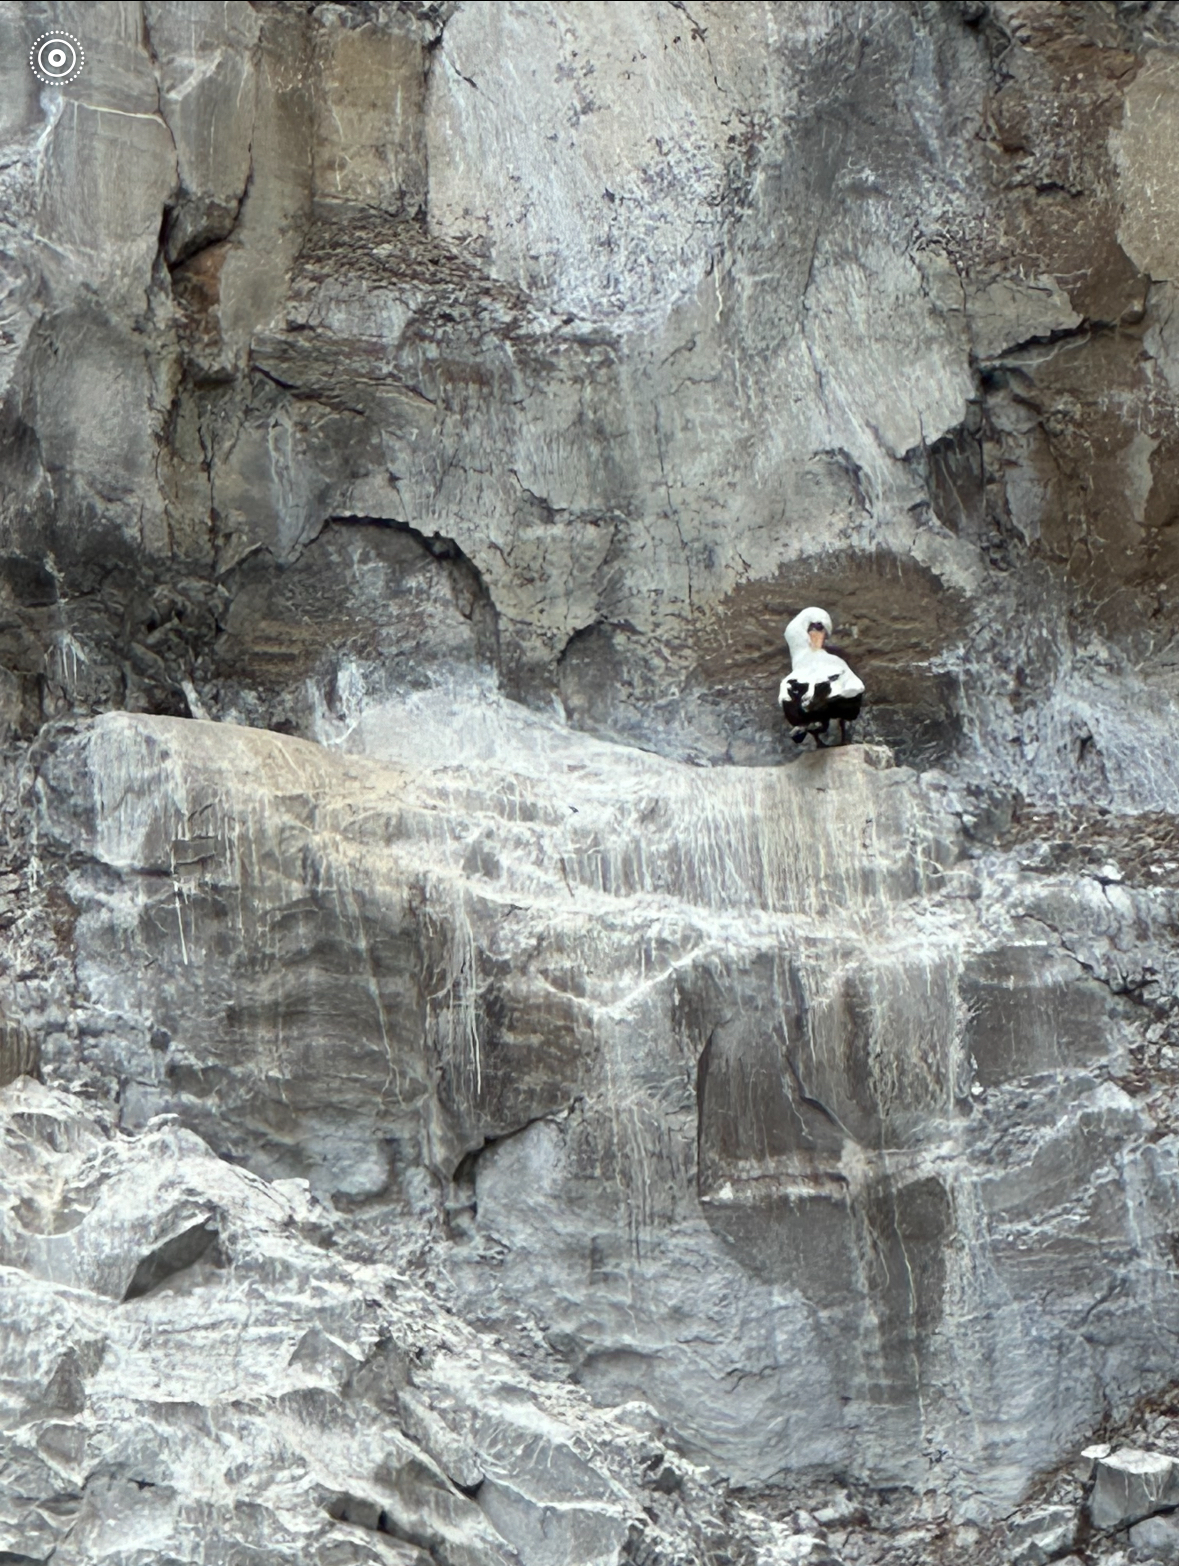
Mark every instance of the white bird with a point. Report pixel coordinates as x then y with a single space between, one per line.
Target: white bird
820 686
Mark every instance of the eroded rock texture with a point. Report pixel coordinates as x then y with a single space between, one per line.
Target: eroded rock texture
418 423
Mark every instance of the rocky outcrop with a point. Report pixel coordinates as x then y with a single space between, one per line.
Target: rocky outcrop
657 1046
833 309
418 423
1130 1485
191 1372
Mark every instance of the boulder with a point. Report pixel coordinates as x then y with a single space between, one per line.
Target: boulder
1130 1484
1044 1536
1158 1538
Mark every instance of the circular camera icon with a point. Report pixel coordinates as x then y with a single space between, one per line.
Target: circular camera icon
56 58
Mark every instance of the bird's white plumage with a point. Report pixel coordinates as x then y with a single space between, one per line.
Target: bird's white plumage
811 667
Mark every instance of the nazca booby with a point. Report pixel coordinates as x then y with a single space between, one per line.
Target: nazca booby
820 686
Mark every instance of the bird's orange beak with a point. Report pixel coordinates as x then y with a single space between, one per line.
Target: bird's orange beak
816 640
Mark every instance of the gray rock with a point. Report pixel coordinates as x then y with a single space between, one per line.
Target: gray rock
807 1549
465 394
1130 1484
1044 1536
1157 1538
501 873
637 566
132 1429
1085 1464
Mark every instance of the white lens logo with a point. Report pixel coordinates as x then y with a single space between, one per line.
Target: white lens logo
56 58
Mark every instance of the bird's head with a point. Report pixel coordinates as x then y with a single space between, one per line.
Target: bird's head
808 631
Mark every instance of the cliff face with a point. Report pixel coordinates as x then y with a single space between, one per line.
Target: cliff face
418 424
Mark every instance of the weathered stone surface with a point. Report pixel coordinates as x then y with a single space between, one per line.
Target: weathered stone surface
129 1428
694 405
1032 1011
207 98
1157 1538
465 394
669 1045
596 831
1043 1536
1130 1484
